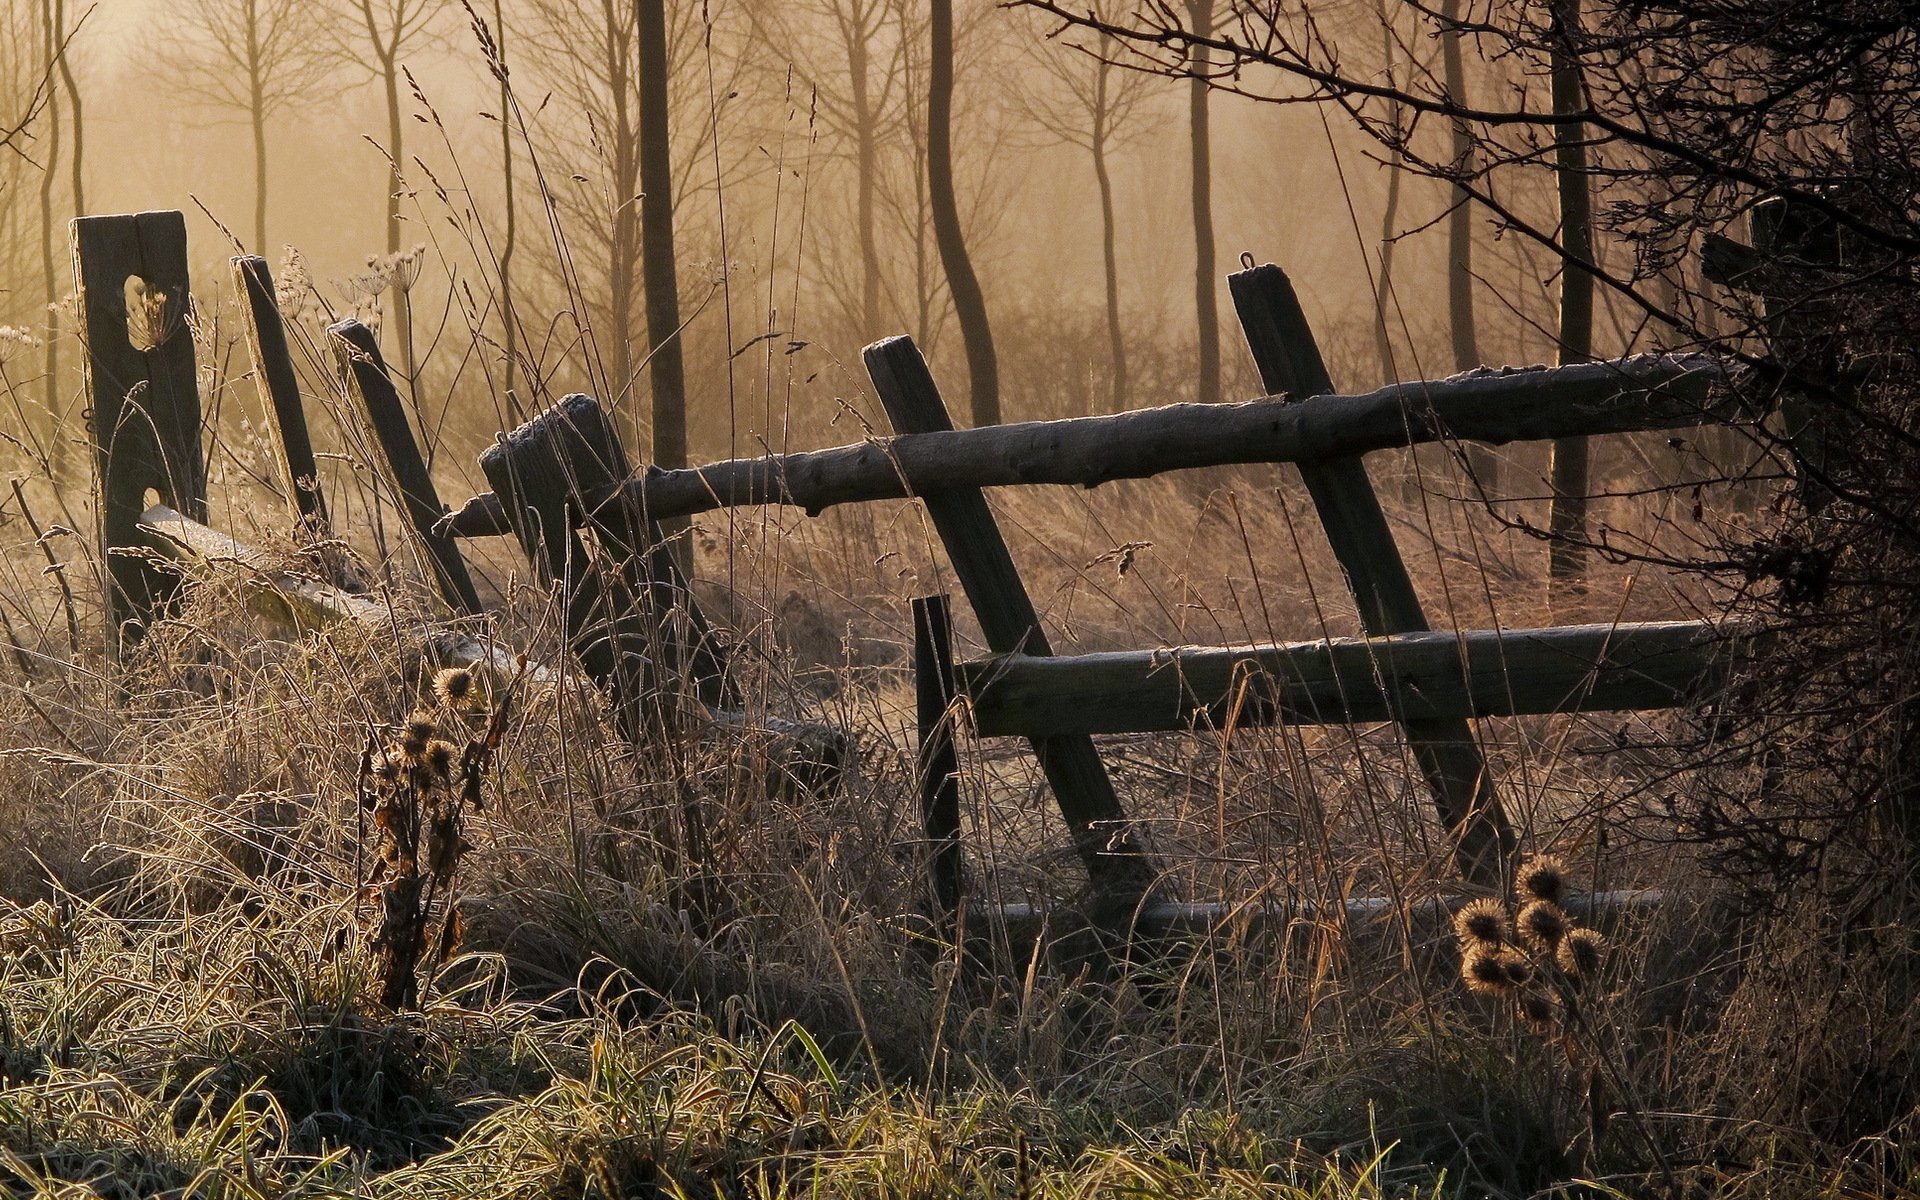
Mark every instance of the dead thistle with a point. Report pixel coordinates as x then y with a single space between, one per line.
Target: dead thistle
418 789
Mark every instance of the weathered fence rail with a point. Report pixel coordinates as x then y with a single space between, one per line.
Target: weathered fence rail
1426 676
590 523
1526 404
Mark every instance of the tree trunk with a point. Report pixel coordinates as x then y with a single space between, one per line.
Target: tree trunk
969 303
1116 337
50 151
1206 303
77 159
507 331
657 261
1568 519
390 73
1481 460
866 149
259 119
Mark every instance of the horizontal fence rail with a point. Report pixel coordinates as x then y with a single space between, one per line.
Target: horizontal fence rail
1646 392
1408 676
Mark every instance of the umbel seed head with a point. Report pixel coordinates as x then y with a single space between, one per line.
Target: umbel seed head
1482 921
1543 877
1543 924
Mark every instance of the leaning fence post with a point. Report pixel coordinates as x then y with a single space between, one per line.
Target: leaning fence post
134 301
1289 361
1117 865
938 764
273 374
552 474
365 375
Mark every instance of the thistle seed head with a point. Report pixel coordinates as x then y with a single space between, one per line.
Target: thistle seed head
1543 924
1485 971
1482 921
455 687
1580 952
1543 877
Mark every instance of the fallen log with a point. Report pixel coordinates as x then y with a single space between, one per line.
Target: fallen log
1525 404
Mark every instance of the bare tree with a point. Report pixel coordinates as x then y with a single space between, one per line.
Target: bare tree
375 36
593 58
969 302
855 55
1568 518
1092 105
1206 303
259 57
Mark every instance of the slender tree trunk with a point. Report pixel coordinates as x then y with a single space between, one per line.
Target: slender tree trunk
1390 215
507 320
50 151
969 303
1206 304
1568 518
1481 460
657 260
390 75
259 118
1116 337
866 152
76 159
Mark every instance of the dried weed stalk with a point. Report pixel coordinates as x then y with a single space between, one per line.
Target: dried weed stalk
417 790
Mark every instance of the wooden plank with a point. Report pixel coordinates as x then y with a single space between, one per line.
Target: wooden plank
1406 677
274 376
365 374
301 603
938 774
144 393
1289 361
1531 403
1117 864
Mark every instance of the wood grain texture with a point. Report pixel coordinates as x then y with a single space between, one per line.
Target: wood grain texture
143 390
1106 839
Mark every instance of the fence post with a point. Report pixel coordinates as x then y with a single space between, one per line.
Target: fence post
1117 865
552 474
938 763
141 381
365 374
1289 361
274 376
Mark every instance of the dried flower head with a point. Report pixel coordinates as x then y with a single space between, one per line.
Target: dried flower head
1518 967
1580 952
419 732
1538 1011
1543 877
439 759
1543 924
1485 970
1481 921
455 687
16 339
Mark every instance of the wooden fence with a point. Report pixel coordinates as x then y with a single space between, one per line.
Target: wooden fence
633 624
